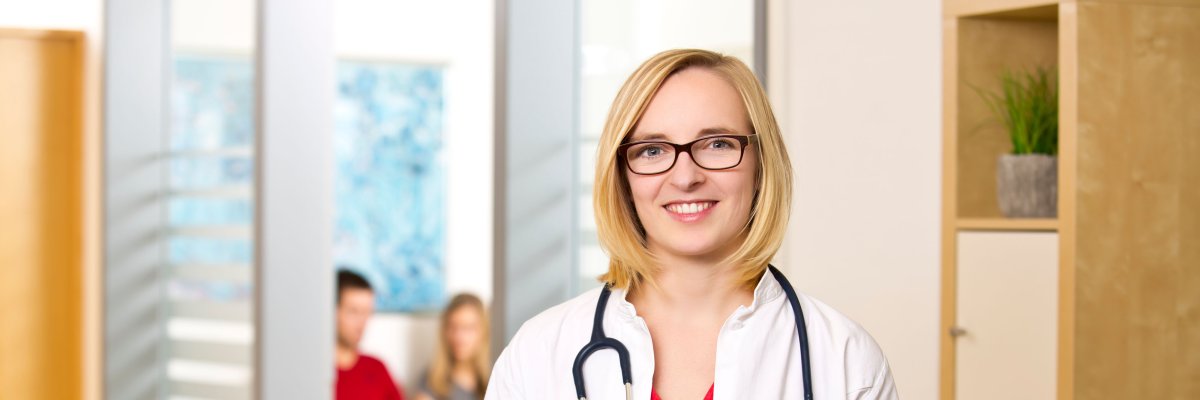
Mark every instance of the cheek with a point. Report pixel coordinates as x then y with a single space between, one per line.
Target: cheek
351 323
462 336
360 318
462 340
741 186
643 190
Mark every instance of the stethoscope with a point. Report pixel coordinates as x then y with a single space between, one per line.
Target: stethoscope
600 341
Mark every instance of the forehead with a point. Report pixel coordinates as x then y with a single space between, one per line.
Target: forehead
691 103
464 314
357 295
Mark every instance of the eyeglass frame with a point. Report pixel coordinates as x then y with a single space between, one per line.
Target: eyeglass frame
744 140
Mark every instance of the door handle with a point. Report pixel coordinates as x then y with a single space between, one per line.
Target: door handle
956 331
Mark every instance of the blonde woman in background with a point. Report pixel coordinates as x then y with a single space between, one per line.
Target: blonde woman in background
692 194
462 362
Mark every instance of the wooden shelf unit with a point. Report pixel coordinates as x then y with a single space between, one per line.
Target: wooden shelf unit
1128 220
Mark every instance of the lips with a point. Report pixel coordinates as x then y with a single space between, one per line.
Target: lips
689 211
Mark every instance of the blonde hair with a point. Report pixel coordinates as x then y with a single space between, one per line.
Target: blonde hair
620 232
438 380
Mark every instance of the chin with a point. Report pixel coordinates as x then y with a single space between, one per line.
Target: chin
693 240
693 248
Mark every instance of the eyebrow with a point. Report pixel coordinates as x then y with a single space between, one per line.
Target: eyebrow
719 130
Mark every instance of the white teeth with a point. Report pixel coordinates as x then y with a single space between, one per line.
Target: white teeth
689 208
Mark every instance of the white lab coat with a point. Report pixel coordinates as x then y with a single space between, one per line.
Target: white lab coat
758 355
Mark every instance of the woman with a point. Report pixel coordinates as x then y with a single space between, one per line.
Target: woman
692 194
463 359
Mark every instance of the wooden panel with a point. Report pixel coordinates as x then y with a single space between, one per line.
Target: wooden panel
1007 305
963 8
986 48
1138 240
1068 111
1176 3
960 8
1044 13
1007 224
949 208
41 238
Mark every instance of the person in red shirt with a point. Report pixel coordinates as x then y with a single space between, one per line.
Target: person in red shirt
359 376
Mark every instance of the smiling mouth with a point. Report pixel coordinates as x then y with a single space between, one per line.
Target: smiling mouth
689 211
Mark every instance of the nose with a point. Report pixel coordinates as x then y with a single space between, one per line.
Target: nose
686 175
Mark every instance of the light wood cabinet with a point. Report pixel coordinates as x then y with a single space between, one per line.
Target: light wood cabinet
1126 311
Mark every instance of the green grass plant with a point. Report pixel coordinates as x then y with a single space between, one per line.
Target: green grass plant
1027 104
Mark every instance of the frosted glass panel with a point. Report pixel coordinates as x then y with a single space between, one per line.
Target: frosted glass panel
210 203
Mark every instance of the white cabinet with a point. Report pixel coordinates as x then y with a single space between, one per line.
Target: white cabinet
1007 286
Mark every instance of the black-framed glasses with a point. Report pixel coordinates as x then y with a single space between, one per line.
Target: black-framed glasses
717 152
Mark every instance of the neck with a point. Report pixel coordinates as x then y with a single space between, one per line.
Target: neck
463 375
345 356
695 286
463 368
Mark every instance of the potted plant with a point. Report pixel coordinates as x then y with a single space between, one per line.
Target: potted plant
1027 178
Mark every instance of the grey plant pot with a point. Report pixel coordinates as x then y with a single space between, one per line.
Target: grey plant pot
1027 185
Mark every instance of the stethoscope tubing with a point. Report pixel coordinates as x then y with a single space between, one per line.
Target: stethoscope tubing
600 341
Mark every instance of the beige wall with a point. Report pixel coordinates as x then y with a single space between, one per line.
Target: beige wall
857 86
85 16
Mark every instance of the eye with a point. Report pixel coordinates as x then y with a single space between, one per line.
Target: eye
649 151
721 144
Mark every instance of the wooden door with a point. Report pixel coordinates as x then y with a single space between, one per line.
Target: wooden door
41 206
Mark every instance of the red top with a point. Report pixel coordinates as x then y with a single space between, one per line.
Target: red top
368 379
654 396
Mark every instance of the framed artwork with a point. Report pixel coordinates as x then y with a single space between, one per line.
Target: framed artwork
390 181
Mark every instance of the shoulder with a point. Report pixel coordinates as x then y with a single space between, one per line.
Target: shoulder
862 358
549 326
371 366
422 382
532 354
371 363
841 329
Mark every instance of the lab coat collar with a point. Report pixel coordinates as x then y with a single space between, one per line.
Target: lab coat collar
767 290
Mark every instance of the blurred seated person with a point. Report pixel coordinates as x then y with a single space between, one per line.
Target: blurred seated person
359 376
462 361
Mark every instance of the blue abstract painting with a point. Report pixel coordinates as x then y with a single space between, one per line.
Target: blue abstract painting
390 181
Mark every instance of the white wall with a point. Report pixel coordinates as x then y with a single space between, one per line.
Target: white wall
86 16
857 86
214 26
457 34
